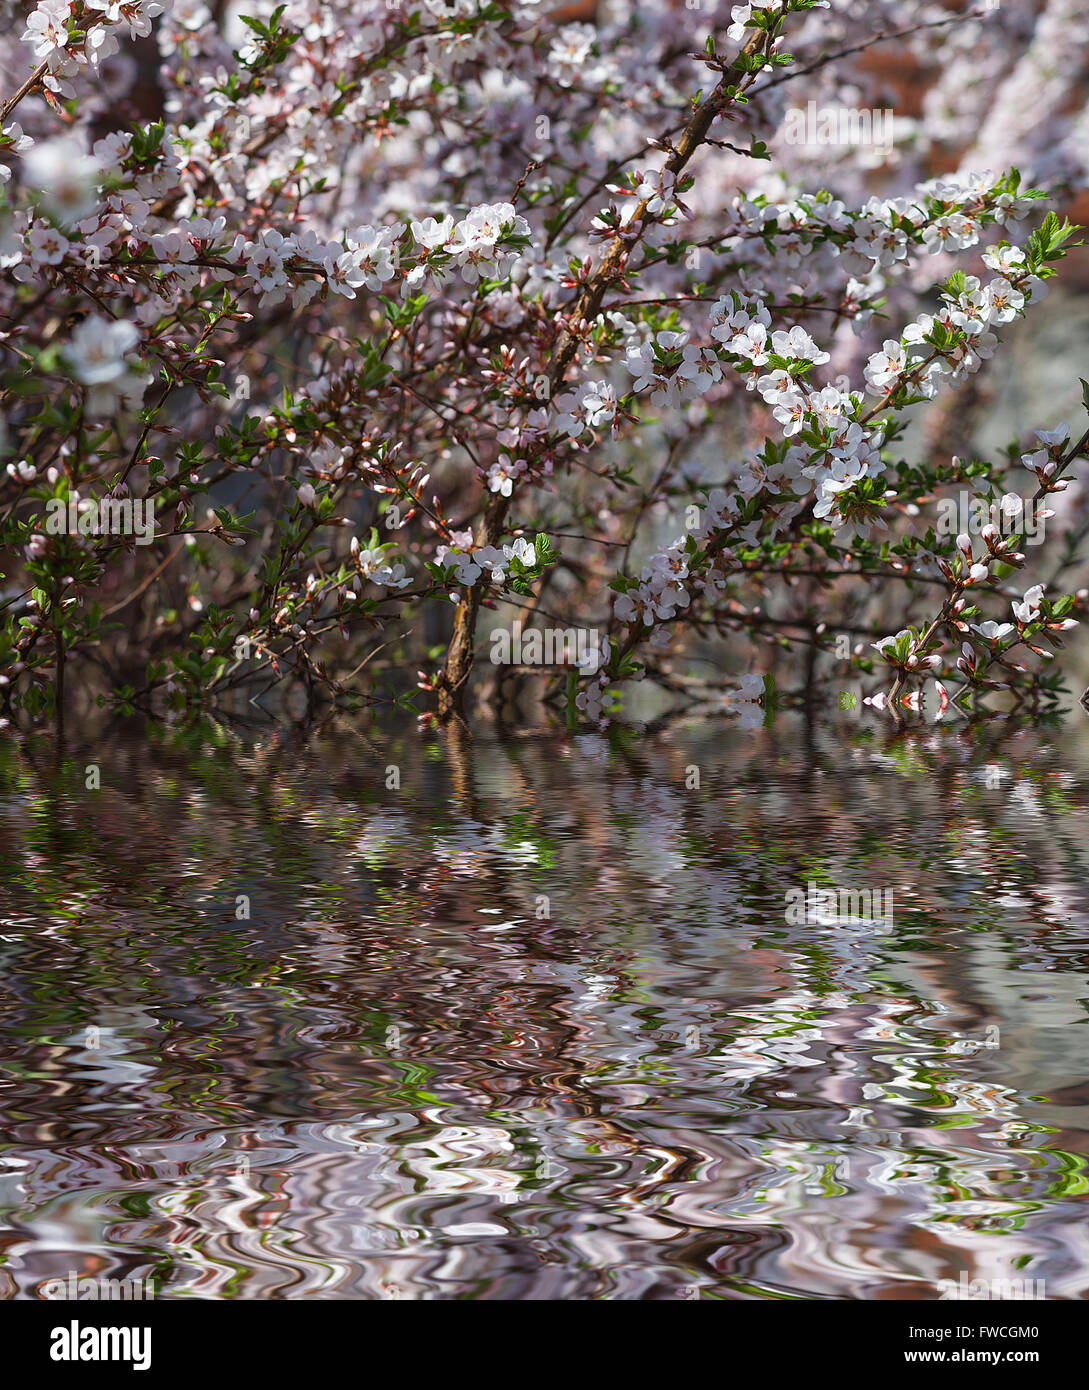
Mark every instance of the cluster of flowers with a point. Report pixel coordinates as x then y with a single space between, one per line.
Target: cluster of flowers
403 232
64 43
831 448
468 564
83 226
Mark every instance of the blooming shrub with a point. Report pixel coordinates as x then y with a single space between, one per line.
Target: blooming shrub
394 312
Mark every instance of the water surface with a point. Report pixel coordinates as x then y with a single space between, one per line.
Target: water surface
534 1023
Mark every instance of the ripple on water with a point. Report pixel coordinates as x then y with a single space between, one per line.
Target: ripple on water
539 1024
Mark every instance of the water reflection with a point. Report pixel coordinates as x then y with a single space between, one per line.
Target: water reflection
375 1014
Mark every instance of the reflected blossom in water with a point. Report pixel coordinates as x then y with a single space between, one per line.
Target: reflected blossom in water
537 1023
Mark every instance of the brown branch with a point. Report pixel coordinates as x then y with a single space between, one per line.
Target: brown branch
459 661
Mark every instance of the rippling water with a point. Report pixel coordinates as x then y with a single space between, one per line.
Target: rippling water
536 1023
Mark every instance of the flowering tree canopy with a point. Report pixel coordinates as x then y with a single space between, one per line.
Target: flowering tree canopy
325 328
